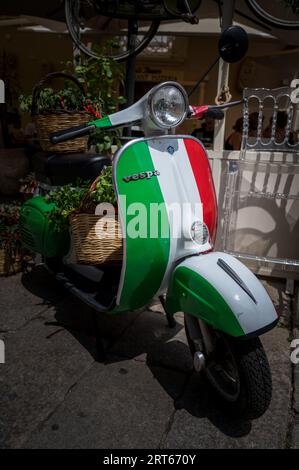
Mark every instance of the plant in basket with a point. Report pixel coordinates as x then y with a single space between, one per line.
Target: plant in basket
83 197
97 238
90 91
102 79
54 109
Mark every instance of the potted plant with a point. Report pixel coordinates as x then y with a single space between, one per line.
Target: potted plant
97 239
91 90
70 199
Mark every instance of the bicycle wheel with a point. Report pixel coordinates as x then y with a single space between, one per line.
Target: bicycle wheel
183 9
276 14
97 34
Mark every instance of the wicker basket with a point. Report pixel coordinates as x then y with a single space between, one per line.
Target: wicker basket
97 239
10 264
48 122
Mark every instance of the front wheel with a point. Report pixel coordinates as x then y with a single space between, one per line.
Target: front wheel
237 369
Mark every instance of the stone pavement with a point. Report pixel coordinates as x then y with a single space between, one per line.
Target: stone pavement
54 394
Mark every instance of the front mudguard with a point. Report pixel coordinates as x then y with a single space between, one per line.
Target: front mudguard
224 293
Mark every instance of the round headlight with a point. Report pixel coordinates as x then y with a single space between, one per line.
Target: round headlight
199 233
168 105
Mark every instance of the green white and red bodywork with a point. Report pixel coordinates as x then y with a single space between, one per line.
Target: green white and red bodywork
161 173
224 293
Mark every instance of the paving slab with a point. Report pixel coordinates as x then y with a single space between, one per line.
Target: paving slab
42 363
24 296
119 406
276 289
295 439
150 338
199 423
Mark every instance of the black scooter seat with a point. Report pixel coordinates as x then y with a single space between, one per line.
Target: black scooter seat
59 169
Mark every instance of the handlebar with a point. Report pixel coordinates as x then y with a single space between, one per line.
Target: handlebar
195 112
71 133
213 111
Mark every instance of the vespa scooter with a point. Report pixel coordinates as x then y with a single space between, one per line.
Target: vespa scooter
168 214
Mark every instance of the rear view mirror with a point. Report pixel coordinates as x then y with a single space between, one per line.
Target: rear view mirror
233 44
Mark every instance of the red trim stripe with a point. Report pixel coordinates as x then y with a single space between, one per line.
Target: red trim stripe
203 176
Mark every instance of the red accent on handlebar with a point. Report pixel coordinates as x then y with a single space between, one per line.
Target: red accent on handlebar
198 112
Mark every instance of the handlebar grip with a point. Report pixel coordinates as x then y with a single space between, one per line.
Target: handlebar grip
215 113
71 133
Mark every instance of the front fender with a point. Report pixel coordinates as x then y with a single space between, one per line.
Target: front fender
220 290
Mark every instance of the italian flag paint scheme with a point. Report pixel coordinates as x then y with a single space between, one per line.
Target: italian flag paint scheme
201 287
182 190
172 172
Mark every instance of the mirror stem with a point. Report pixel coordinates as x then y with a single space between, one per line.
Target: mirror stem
204 76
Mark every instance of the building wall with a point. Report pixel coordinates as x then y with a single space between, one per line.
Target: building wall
40 53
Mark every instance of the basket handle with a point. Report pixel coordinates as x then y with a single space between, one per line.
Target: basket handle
38 88
90 190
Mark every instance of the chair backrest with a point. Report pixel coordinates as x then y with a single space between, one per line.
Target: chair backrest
270 120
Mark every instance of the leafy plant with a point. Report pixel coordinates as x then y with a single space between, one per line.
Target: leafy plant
67 99
104 191
101 79
68 199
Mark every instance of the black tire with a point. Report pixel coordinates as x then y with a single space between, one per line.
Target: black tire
253 396
72 28
270 20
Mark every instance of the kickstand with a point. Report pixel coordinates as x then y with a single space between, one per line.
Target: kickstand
170 319
100 346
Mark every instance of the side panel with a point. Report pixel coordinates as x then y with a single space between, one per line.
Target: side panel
164 185
220 290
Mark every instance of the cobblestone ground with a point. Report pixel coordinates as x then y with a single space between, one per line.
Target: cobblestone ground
54 394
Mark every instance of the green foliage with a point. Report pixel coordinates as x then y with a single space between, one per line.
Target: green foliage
101 79
104 191
103 140
67 99
68 199
10 238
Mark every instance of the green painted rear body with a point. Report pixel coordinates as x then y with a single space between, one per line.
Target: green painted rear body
37 235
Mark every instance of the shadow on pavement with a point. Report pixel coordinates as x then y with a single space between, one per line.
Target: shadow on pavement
143 336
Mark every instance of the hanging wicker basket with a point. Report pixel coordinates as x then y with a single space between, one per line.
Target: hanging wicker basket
96 239
10 263
48 122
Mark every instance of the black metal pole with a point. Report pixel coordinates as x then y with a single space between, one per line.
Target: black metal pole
130 68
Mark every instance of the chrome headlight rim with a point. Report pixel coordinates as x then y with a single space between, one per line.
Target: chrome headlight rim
150 104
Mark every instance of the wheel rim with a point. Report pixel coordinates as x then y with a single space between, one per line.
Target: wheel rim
221 368
289 21
222 371
72 14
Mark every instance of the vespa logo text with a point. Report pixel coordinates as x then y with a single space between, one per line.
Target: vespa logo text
141 176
